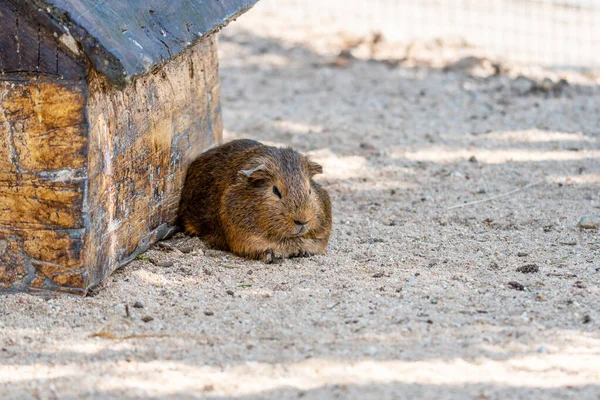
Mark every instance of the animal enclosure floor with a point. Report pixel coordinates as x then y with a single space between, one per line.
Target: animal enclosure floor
414 299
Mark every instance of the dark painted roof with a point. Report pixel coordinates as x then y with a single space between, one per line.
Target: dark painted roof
125 38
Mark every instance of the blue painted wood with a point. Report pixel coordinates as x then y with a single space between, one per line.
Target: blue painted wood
125 38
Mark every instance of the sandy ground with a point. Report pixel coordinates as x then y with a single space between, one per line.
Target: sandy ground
412 299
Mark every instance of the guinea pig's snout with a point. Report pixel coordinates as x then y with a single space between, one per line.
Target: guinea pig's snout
300 227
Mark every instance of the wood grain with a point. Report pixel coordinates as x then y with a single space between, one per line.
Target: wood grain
28 45
141 141
43 167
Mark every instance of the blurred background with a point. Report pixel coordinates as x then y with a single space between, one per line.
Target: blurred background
331 73
552 33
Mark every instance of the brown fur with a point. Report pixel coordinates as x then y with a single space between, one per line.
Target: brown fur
229 200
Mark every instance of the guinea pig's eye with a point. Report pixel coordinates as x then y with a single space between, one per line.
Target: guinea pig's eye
309 191
276 192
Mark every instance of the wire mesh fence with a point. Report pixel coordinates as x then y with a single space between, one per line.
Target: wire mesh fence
552 33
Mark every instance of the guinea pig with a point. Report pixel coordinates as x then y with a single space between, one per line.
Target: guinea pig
257 201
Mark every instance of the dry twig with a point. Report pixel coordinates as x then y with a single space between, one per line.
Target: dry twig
497 196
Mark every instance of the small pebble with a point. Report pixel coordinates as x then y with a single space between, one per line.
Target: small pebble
165 264
522 254
589 222
516 285
473 159
528 269
208 388
209 313
147 318
433 301
586 319
166 246
542 349
522 85
367 146
186 249
546 85
138 304
230 292
378 275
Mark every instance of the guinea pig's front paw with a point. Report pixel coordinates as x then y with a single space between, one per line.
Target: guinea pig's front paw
303 253
269 257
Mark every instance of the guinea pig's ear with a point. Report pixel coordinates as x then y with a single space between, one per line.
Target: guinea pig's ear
260 172
314 168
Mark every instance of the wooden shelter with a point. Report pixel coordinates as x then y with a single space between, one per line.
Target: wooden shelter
102 107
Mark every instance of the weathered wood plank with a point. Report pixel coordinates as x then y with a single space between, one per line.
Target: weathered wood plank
9 46
28 47
124 39
43 168
49 260
43 124
43 134
141 141
41 205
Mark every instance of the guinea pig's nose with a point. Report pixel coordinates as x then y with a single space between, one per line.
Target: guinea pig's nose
300 226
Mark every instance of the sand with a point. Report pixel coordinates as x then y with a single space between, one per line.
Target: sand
412 299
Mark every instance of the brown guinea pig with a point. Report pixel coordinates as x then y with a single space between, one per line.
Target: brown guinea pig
256 201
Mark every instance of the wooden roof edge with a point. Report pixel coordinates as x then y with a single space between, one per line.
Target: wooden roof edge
123 48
